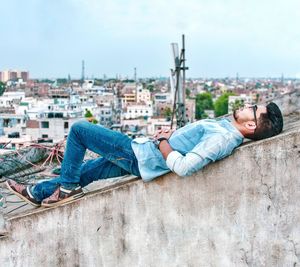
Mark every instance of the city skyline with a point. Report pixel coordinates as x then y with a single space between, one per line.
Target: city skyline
50 39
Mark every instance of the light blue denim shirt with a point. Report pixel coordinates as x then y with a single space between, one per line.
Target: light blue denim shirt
194 145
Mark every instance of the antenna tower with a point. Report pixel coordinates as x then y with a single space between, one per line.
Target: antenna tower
135 76
178 81
82 71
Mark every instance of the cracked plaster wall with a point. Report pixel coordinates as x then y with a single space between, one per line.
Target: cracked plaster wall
241 211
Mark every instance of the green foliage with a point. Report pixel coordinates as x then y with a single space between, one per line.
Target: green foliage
258 85
167 112
88 114
45 81
62 81
90 117
257 98
188 92
128 81
221 104
98 82
237 104
2 88
150 87
203 101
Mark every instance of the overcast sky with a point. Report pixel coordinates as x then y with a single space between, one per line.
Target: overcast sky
50 38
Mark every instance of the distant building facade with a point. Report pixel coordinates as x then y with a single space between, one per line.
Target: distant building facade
13 75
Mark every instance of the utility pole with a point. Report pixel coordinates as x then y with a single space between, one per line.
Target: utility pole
178 80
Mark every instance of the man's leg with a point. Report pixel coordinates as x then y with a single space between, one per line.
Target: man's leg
99 169
90 171
113 146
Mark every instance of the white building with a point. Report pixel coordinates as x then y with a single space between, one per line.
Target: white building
138 110
88 84
143 95
51 126
242 99
9 98
105 115
162 98
134 127
12 123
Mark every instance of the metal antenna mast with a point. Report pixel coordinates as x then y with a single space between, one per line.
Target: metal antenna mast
179 81
82 71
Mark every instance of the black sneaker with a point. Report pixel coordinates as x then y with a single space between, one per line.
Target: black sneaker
61 196
22 191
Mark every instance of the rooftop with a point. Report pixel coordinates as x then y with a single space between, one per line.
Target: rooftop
241 211
15 206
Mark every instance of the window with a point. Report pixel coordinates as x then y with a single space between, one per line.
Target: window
44 135
66 125
5 122
45 124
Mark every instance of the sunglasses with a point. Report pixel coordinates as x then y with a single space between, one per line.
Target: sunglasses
254 108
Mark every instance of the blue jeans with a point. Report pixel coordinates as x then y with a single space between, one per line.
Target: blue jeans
117 159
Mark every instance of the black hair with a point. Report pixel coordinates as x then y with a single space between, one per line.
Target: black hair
269 123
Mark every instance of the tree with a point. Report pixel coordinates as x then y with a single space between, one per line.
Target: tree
90 117
2 88
237 104
62 81
95 121
203 101
167 113
88 114
188 92
150 87
221 104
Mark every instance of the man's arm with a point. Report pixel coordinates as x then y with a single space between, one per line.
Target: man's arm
164 146
211 149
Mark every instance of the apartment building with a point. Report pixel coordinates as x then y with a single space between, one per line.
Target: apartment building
53 126
13 75
135 110
143 95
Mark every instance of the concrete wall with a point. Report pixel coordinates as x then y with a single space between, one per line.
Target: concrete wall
289 103
241 211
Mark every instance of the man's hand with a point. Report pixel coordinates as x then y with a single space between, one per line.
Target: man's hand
164 146
163 133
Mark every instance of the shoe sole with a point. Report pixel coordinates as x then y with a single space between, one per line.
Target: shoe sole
21 196
58 203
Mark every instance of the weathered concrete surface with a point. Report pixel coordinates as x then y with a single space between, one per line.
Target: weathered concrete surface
289 102
241 211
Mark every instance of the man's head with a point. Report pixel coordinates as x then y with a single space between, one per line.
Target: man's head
258 122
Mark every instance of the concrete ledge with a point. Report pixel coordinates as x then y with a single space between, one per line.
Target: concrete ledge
241 211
